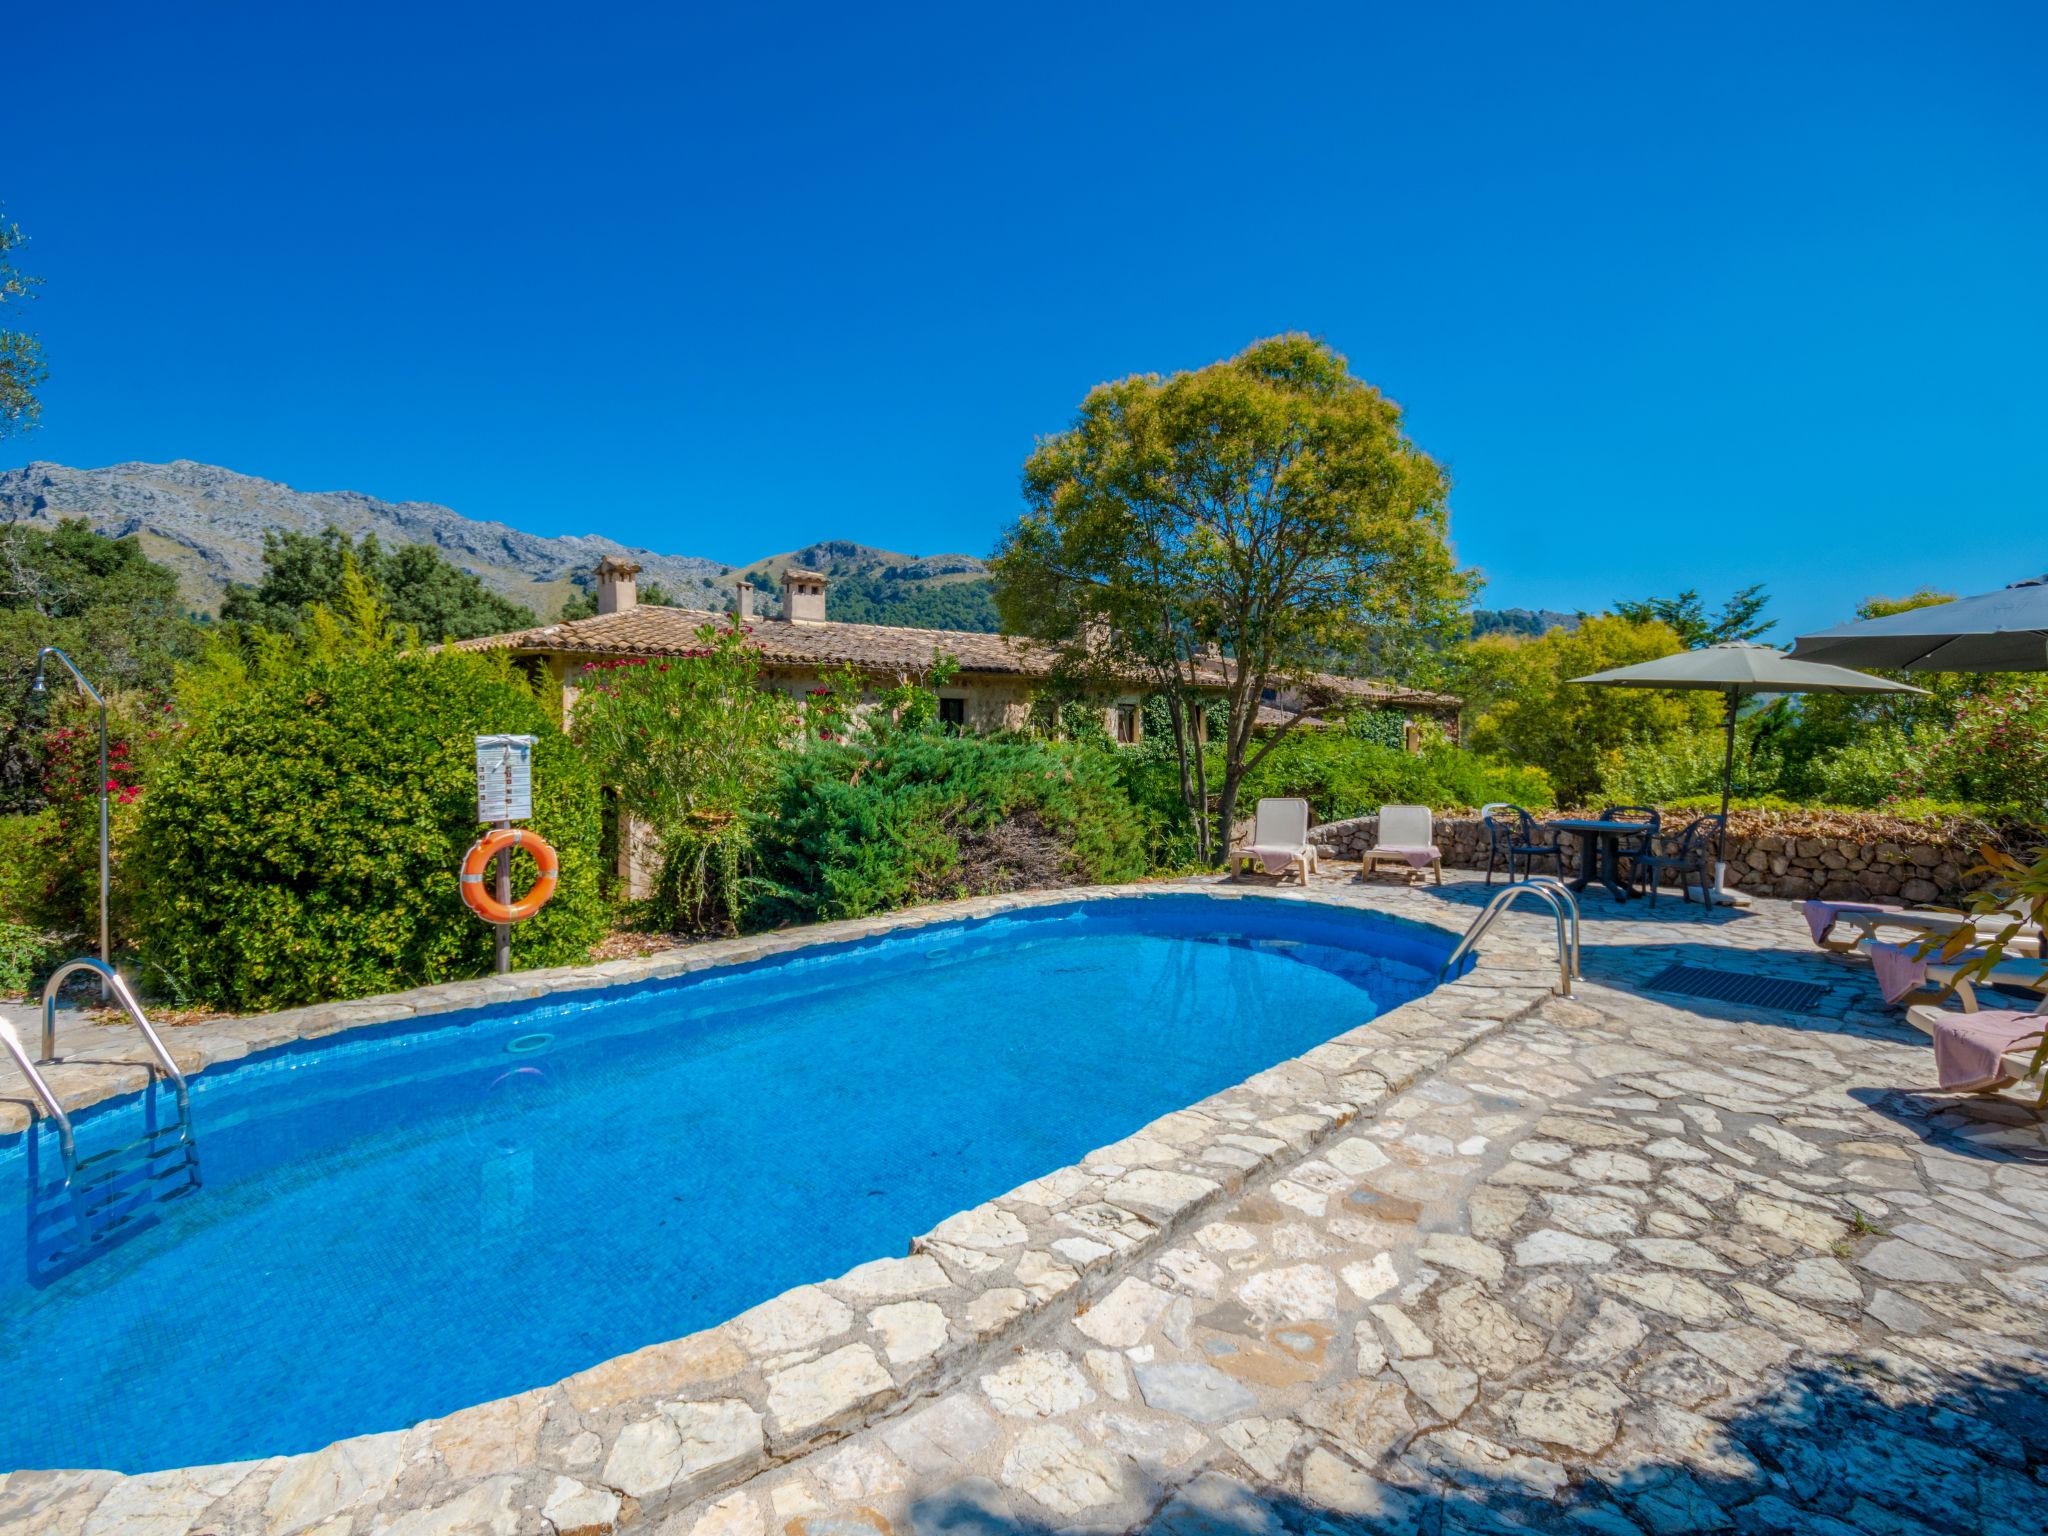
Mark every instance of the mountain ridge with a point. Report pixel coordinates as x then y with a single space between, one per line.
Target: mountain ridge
207 523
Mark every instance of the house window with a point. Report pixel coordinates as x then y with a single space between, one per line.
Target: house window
1126 723
953 712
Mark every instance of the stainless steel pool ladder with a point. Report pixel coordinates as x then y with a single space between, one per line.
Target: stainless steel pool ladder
52 1110
123 995
1564 907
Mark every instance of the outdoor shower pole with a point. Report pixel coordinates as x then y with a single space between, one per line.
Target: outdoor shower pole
93 694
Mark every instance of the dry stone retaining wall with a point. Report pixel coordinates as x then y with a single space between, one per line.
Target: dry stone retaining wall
1769 854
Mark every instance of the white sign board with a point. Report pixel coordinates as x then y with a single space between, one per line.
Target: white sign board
504 778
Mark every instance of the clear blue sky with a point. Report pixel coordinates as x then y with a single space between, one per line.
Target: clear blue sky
1682 295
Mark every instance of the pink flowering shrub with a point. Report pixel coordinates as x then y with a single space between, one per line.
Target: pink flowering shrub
1994 753
64 844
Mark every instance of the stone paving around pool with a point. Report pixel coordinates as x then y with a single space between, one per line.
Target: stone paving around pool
1627 1265
1620 1263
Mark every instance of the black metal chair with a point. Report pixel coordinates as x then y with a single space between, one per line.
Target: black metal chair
1512 832
1630 851
1687 853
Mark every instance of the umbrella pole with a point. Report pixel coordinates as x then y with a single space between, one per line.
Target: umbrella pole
1727 791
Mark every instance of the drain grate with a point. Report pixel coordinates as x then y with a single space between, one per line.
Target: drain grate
1738 987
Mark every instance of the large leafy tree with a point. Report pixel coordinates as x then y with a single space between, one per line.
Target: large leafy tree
1522 702
1740 618
21 354
1234 529
416 586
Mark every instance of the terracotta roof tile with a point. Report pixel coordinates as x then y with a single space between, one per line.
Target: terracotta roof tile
648 629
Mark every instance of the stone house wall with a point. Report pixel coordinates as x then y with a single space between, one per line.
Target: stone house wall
1769 854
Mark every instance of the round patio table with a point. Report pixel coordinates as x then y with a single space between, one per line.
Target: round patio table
1598 845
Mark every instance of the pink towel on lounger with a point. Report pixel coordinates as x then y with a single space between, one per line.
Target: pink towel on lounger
1969 1048
1901 968
1820 915
1418 858
1275 861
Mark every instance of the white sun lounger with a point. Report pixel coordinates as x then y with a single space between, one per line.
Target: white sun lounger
2030 974
1279 841
1408 838
2012 1037
1903 974
1869 925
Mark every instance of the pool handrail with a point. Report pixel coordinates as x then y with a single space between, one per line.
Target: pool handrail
126 998
1557 896
1571 906
11 1043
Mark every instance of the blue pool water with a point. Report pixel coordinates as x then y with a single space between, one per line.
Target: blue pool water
396 1224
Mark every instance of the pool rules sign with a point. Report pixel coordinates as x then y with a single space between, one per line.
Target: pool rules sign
504 794
504 778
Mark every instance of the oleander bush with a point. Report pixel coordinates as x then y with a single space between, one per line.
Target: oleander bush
301 841
903 816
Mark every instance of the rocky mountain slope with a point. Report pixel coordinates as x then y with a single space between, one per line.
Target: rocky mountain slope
207 524
1527 622
880 586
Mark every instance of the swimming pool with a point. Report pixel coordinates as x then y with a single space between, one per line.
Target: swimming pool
396 1223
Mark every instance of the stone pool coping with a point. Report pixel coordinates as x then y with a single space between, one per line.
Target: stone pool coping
660 1427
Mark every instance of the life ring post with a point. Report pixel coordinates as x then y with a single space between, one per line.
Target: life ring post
500 909
503 944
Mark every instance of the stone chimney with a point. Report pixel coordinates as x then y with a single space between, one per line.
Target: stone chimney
616 589
743 602
803 596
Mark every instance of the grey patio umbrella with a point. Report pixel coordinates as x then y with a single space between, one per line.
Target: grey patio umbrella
2003 631
1735 669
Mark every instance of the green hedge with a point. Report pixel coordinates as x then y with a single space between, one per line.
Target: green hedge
922 816
1341 776
303 843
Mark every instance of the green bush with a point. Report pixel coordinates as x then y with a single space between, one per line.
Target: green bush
1655 770
22 877
1871 770
302 842
1382 727
689 745
922 816
27 955
1341 776
1994 753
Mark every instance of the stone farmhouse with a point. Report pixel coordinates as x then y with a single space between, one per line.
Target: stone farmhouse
993 690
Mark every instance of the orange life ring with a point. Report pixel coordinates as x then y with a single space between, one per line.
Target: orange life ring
486 848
